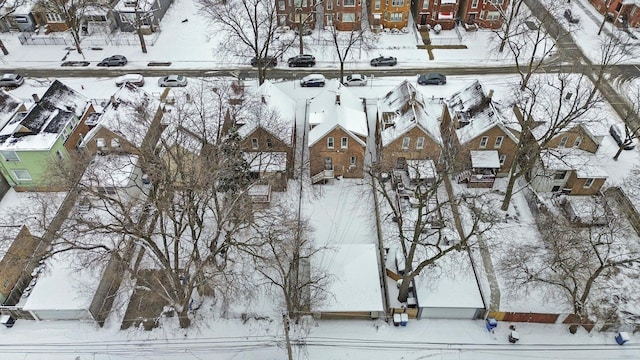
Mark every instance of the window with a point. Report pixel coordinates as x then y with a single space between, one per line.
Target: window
503 158
420 143
280 5
492 15
376 4
498 143
396 17
349 2
405 142
107 190
60 154
555 188
474 4
484 141
559 175
290 3
330 5
53 18
352 161
127 17
577 142
344 143
330 143
254 143
21 19
22 175
397 2
100 143
115 143
563 141
269 142
348 17
10 155
495 2
588 183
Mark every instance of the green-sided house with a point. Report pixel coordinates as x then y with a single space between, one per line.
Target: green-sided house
49 130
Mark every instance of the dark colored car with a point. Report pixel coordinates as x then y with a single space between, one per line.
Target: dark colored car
384 61
269 61
305 31
619 135
432 79
570 17
115 60
302 61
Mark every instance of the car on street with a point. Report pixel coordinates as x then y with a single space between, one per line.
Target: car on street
11 80
572 18
305 31
313 80
384 61
304 60
355 80
115 60
620 136
432 79
135 79
269 61
173 81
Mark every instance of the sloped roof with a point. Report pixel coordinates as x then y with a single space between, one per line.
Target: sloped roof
110 171
568 159
129 114
9 105
328 113
405 107
471 105
45 121
279 114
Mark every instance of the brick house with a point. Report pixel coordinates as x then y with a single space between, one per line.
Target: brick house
389 13
432 12
477 143
345 15
292 12
622 13
338 134
484 13
406 130
268 136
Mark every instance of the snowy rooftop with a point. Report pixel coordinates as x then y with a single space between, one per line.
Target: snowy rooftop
336 106
354 284
133 5
45 121
475 112
128 114
9 105
421 169
34 209
487 159
404 106
266 161
565 159
280 122
110 171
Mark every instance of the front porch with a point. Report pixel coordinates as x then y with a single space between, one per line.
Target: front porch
484 167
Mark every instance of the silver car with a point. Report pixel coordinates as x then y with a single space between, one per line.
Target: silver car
11 80
355 80
173 81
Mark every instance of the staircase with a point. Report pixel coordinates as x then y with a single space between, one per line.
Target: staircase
463 176
323 175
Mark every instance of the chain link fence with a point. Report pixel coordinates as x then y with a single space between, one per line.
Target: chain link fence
117 39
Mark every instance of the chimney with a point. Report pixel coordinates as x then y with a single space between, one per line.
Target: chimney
337 99
35 97
490 95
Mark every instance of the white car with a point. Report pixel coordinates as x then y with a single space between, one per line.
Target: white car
173 81
355 80
135 79
11 80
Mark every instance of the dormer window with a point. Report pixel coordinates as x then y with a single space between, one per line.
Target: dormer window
577 142
254 143
101 144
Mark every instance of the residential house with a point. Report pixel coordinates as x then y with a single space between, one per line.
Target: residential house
389 14
568 170
131 123
406 130
345 15
17 16
293 12
115 176
338 133
97 20
31 141
578 136
268 136
475 137
483 13
622 13
148 12
432 12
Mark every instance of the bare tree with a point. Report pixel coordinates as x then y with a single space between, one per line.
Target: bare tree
345 42
424 236
141 19
575 260
8 8
250 26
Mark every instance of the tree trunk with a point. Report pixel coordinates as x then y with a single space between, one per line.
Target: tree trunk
3 48
76 40
143 44
183 317
300 38
604 19
507 195
617 155
341 70
285 319
403 292
261 73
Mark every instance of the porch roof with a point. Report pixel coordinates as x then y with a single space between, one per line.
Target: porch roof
421 169
487 159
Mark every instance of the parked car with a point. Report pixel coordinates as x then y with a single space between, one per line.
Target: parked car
355 80
304 60
574 19
432 79
115 60
11 80
305 31
135 79
384 61
620 136
313 80
172 81
268 61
